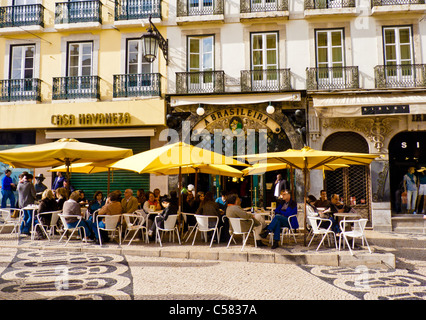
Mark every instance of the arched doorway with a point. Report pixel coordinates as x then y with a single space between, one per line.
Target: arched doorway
406 149
352 183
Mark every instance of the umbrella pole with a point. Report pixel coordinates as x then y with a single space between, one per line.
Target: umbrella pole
67 164
305 178
108 184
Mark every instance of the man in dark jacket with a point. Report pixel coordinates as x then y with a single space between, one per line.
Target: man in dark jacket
170 208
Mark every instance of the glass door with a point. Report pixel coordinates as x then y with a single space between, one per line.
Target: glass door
200 63
80 67
264 61
138 69
200 7
22 70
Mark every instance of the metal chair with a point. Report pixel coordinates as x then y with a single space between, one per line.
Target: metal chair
52 225
112 224
169 226
357 231
237 228
72 229
190 228
9 219
288 231
134 222
315 222
204 226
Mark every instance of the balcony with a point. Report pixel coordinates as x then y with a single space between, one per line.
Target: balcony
196 11
19 19
265 80
321 8
263 9
20 90
200 82
130 12
78 15
68 88
397 6
137 85
400 76
333 78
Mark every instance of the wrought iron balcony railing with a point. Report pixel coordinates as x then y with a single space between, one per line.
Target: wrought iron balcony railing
400 76
85 87
187 8
19 16
248 6
265 80
377 3
137 9
78 11
333 78
137 85
329 4
200 82
20 90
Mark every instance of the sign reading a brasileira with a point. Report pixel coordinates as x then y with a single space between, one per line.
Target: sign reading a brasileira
237 118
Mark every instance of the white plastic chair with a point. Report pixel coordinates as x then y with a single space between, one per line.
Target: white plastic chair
203 226
8 221
112 224
236 224
315 222
190 228
288 231
71 229
169 226
357 231
52 225
134 222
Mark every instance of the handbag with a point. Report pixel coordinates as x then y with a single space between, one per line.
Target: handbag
13 188
404 197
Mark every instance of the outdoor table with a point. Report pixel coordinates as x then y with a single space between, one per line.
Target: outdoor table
345 215
150 213
33 208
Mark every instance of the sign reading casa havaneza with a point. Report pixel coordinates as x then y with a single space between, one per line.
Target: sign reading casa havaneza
116 118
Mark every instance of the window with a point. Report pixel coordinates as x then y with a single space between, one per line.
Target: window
264 59
22 64
330 54
80 59
200 7
138 70
263 5
398 52
200 61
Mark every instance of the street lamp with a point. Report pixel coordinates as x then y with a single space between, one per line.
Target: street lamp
270 108
151 40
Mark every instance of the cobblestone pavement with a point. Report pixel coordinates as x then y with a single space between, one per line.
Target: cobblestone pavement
33 274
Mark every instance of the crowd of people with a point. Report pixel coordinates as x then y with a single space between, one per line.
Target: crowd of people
70 202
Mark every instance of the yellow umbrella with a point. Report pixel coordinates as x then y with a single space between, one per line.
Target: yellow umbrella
62 152
177 154
307 159
215 169
261 168
84 167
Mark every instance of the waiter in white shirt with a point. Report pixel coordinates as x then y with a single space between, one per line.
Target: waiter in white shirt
279 185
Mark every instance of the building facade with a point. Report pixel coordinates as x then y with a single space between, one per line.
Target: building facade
75 69
353 71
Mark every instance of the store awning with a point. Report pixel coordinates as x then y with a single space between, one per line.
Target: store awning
352 106
234 99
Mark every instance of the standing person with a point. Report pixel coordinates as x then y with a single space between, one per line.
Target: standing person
279 184
410 186
58 182
422 188
286 207
27 196
234 211
39 186
7 187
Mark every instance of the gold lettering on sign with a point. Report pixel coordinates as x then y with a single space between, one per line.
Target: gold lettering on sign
85 119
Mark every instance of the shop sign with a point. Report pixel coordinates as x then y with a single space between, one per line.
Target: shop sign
236 117
84 119
369 110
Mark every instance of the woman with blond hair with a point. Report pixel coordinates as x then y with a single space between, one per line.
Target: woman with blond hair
47 204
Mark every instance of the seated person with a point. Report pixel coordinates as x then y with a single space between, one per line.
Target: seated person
61 196
47 204
286 207
322 202
311 210
97 202
208 207
140 195
222 201
72 208
337 206
189 206
82 201
169 209
112 207
234 210
129 203
150 205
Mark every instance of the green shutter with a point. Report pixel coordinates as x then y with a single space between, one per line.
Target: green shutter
120 179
